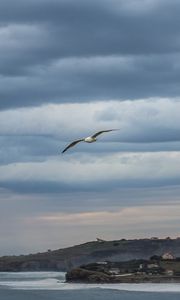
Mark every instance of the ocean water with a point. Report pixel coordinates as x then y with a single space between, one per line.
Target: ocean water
52 285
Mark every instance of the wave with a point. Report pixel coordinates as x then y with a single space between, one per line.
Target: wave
56 281
31 280
19 275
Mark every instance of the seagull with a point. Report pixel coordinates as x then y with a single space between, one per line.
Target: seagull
89 139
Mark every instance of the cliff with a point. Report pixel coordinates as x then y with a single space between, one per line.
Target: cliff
155 270
68 258
84 276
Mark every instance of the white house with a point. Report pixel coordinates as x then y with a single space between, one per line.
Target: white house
168 255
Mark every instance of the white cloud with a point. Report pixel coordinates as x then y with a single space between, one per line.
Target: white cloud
91 168
136 119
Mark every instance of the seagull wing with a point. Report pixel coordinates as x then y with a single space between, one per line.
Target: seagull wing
102 131
72 144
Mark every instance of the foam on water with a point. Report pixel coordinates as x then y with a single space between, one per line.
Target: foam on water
22 275
56 281
31 280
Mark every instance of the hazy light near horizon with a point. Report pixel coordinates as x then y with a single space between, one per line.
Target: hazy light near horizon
129 222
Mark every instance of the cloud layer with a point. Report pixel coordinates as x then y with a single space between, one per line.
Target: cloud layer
68 70
61 51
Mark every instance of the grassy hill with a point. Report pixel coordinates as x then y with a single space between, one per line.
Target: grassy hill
67 258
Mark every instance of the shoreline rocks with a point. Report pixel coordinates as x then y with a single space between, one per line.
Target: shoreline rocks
81 275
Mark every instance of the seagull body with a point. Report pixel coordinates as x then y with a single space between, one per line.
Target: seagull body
89 139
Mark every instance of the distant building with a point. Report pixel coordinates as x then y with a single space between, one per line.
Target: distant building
100 240
114 271
154 238
169 272
168 255
152 266
102 262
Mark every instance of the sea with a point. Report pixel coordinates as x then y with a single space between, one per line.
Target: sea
52 286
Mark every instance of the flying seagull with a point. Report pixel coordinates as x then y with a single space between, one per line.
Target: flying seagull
89 139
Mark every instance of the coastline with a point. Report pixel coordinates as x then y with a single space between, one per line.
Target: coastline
129 279
79 275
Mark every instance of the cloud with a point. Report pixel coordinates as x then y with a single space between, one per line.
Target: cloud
146 144
66 52
100 27
67 70
92 79
93 173
145 120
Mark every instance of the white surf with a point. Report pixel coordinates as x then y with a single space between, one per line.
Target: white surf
56 281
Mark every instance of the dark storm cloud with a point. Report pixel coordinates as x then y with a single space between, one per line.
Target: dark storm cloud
38 36
102 79
100 27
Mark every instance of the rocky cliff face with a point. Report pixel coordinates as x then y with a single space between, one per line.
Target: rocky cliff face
68 258
79 275
156 270
86 276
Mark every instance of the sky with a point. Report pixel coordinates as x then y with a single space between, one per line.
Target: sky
71 68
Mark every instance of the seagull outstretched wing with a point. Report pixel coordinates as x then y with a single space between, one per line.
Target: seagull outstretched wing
102 131
72 144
